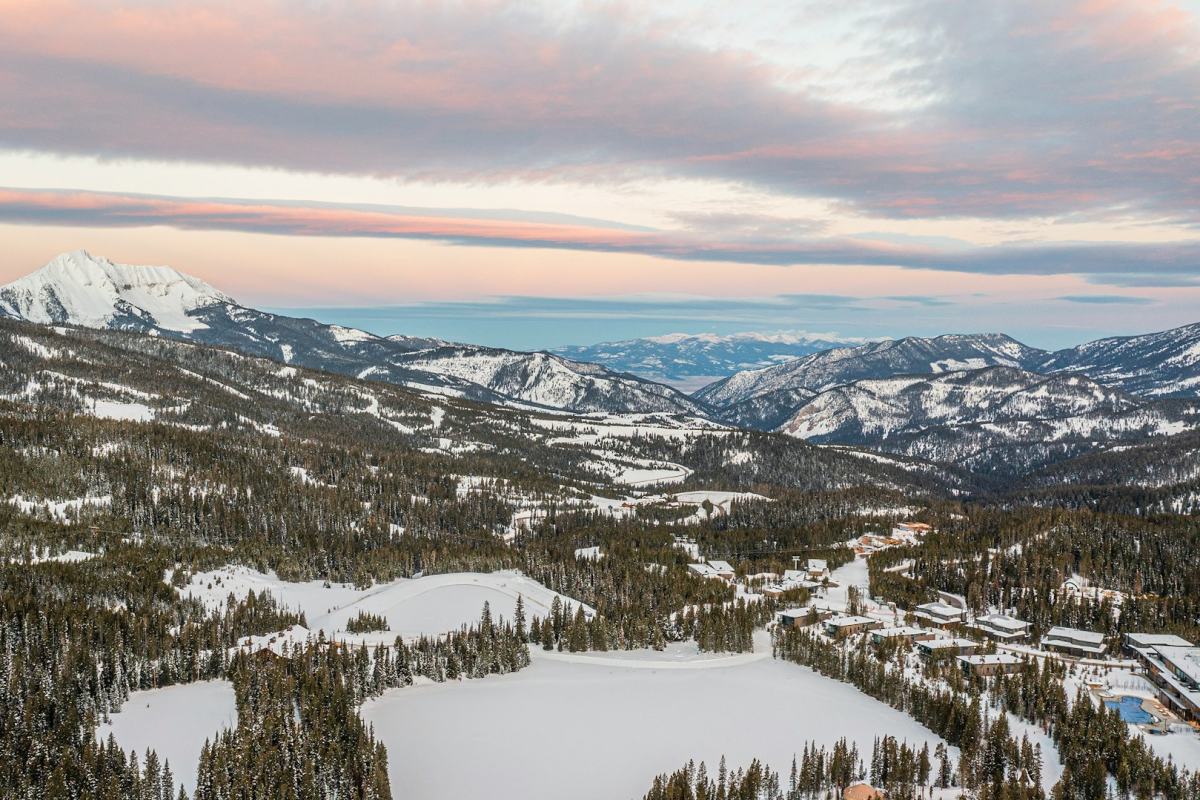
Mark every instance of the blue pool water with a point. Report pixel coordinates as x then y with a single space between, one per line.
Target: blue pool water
1130 709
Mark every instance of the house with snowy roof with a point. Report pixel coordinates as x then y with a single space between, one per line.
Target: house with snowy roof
1001 627
799 617
723 569
841 627
945 648
985 666
938 614
906 632
1172 664
1075 642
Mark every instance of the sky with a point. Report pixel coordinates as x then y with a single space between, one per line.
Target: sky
532 174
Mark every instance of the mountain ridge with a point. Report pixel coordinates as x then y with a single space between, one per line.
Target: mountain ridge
1163 364
81 289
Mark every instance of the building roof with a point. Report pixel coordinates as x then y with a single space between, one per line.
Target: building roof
946 644
1156 640
938 610
841 622
1184 660
721 566
1002 622
798 611
903 630
702 569
1075 635
983 660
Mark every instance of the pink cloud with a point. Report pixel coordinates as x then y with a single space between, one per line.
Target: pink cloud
1034 107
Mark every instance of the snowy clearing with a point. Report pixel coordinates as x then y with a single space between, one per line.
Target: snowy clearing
175 721
413 606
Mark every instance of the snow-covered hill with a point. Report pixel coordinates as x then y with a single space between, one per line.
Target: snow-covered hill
879 408
551 381
820 371
84 290
1154 364
690 361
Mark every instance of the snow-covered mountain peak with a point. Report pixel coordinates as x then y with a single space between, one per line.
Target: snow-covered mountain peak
81 289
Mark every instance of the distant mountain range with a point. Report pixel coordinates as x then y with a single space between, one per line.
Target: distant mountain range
690 361
80 289
984 403
1153 366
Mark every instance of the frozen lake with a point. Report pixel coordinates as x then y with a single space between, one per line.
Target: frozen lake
604 726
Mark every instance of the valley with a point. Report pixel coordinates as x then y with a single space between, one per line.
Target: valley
399 556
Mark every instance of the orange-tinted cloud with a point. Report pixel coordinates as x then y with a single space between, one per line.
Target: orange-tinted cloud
1125 264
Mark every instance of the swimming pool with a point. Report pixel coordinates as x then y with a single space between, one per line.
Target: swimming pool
1130 709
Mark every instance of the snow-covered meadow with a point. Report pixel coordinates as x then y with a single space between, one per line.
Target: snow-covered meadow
174 721
413 607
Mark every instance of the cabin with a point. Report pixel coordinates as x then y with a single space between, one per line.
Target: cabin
817 569
798 617
946 648
841 627
1074 642
780 588
939 614
985 666
1002 628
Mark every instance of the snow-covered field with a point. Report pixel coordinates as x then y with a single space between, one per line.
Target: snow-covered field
413 607
440 603
603 730
175 721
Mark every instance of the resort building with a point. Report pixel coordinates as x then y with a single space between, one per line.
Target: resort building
946 648
1134 643
985 666
1001 628
817 569
938 614
723 569
906 632
841 627
798 617
1073 642
1175 672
